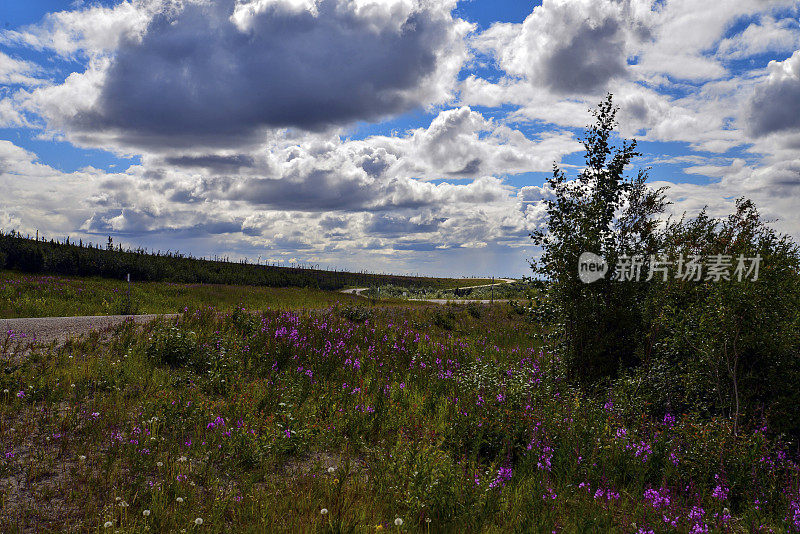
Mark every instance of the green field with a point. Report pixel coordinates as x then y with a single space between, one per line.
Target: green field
23 295
26 295
260 422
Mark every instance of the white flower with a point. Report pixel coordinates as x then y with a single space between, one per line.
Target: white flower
182 459
82 458
324 511
179 499
159 464
123 504
198 521
331 470
108 524
5 391
398 522
118 499
145 512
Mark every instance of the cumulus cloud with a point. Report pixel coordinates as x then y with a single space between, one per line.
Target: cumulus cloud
775 104
568 47
218 74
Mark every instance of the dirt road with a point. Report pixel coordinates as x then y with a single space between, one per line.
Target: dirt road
47 329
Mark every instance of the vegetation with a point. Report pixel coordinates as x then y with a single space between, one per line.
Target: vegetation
717 346
37 256
517 290
23 295
658 404
252 421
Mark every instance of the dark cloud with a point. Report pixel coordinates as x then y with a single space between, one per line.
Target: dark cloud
470 168
775 105
387 225
213 162
198 79
588 60
317 190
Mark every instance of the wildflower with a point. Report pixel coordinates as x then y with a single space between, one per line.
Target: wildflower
82 458
5 392
182 459
145 513
108 524
159 464
721 491
20 394
398 522
331 470
324 511
179 499
198 521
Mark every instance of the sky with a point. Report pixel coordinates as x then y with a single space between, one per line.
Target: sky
402 136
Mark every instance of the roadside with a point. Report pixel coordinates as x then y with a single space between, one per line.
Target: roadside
48 329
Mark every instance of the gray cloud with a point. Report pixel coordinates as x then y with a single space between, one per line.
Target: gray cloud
594 55
213 76
775 105
212 161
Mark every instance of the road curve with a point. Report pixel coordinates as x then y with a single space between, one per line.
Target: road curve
47 329
358 290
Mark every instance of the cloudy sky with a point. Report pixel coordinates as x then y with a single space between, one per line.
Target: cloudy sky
387 135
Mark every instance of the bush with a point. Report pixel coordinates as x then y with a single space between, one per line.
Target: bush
725 347
172 346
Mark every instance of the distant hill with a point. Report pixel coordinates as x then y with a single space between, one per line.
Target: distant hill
32 255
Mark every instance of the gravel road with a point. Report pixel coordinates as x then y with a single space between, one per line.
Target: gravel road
47 329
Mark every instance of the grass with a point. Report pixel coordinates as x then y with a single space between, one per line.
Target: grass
23 295
517 290
26 295
256 422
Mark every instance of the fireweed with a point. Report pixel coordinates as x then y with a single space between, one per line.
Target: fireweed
240 419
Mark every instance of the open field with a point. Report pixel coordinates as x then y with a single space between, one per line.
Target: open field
260 422
23 295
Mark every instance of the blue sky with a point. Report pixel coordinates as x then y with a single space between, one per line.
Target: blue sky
389 135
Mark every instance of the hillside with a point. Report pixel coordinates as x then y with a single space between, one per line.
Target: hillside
29 255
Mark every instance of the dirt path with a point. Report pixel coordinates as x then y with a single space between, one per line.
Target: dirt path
47 329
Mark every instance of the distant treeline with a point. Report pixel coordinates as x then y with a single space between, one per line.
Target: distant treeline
32 255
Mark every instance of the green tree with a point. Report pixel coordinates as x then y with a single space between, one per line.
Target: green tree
607 213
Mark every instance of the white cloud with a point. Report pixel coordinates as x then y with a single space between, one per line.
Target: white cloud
220 74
